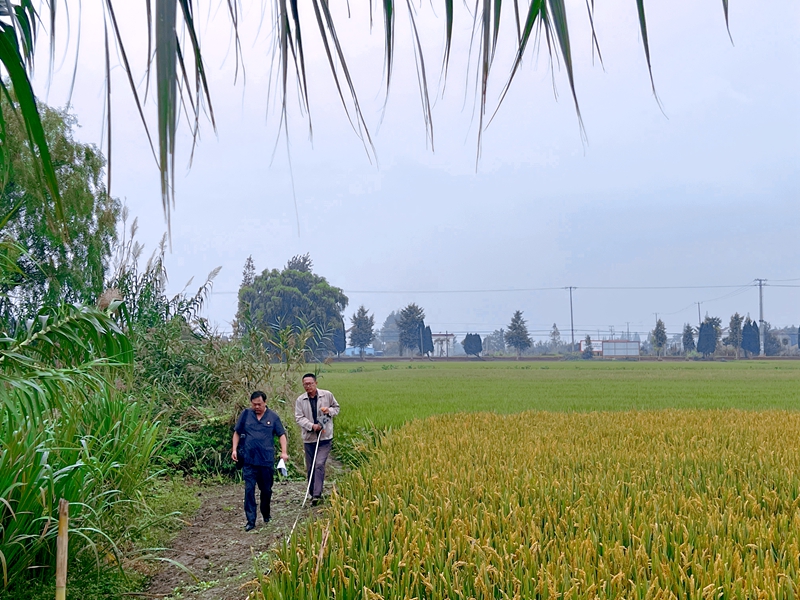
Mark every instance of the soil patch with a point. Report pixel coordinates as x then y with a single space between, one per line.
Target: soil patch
217 551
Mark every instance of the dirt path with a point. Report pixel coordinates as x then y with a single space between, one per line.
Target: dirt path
217 550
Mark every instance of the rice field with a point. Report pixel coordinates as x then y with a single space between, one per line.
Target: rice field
390 394
559 480
656 504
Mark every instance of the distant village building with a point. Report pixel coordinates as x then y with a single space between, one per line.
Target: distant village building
620 349
614 348
442 342
368 351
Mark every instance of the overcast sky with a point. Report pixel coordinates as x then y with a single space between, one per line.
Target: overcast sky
699 191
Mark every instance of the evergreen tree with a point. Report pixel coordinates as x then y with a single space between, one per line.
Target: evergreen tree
495 342
427 342
708 336
249 272
705 339
659 337
688 338
517 334
750 342
555 339
409 323
772 347
363 329
588 351
735 333
755 339
389 335
339 340
472 344
746 335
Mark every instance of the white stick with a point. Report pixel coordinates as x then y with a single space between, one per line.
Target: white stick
308 487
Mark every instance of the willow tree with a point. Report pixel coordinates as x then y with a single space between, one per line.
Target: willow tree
176 70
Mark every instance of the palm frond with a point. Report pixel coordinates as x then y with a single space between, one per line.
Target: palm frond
727 22
645 41
68 338
180 67
167 93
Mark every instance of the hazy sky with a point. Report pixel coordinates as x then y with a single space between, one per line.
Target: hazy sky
699 191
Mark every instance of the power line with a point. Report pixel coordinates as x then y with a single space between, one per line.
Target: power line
545 289
498 291
662 287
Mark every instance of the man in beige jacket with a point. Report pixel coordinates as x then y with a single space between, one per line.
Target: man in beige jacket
314 411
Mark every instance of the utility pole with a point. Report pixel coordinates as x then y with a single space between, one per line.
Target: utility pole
699 322
628 330
761 316
571 322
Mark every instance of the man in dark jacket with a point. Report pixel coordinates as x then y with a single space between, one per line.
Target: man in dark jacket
257 427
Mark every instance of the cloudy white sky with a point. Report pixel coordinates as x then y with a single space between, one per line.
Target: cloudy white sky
699 191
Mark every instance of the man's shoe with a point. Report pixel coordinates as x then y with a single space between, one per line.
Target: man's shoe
249 527
267 520
316 500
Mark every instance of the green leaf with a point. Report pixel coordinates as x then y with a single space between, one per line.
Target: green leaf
558 14
448 11
645 42
166 92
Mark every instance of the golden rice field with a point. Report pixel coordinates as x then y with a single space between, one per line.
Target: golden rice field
657 504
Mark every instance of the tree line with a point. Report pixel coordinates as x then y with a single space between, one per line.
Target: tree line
295 296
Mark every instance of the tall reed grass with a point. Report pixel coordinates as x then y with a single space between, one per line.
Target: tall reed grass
67 431
663 504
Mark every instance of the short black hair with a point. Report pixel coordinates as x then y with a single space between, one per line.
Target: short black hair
314 377
258 394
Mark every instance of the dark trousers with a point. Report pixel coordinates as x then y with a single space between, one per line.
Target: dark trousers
262 477
317 470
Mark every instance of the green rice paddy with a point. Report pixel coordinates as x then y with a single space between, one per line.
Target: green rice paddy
391 394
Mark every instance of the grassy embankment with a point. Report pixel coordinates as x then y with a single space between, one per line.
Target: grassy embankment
565 502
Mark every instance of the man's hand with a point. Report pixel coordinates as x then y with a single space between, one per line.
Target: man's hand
324 409
233 455
284 456
316 427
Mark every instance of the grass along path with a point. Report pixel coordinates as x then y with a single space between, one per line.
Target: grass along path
220 557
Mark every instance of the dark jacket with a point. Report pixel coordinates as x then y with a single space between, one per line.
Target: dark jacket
258 444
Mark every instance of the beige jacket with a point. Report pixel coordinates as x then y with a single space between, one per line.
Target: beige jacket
304 418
